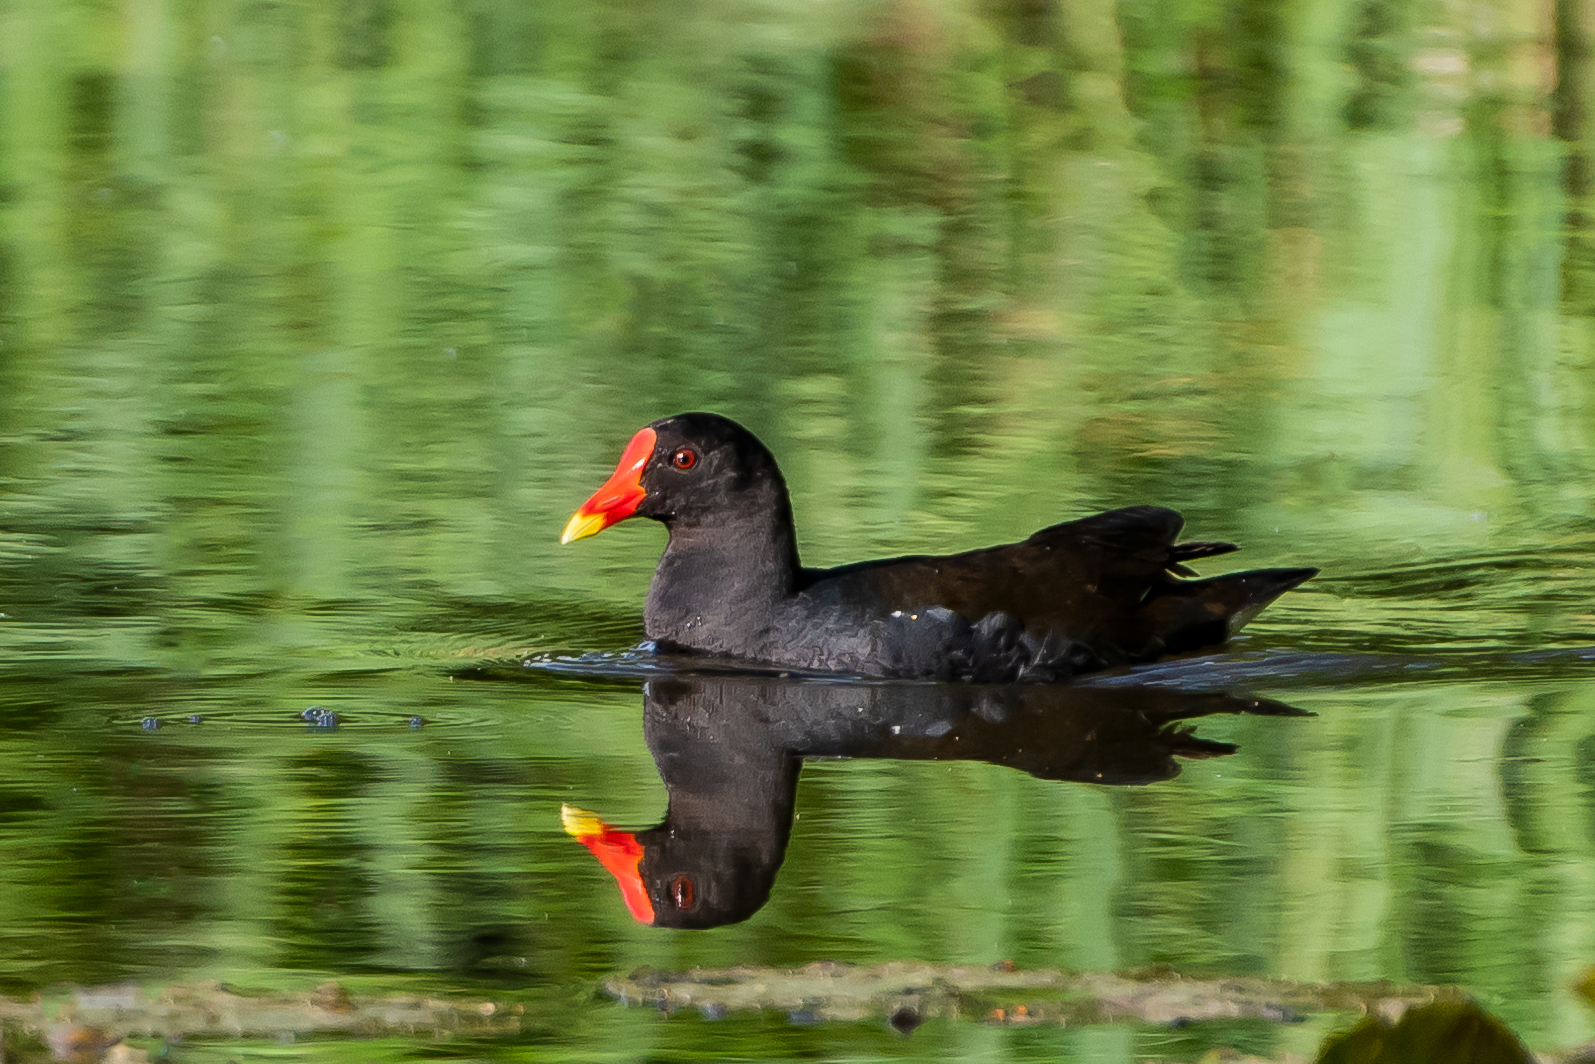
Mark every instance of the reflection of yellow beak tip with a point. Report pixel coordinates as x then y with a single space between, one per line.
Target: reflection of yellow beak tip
579 822
581 525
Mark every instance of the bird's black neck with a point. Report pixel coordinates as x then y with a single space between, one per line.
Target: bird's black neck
720 582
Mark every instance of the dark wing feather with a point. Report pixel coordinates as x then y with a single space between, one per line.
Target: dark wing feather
1143 534
1138 533
1102 590
1189 552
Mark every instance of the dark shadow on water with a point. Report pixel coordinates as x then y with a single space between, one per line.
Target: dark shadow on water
730 750
1230 668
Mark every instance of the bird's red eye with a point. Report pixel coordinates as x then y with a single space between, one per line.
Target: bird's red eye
684 459
682 893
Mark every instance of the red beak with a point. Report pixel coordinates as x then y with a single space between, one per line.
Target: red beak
621 494
618 851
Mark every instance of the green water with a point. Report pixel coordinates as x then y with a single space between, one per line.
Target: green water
317 320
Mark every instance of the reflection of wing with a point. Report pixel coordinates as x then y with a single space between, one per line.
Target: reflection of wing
729 749
1118 736
1114 735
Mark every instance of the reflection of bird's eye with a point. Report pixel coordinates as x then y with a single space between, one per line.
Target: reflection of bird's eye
681 892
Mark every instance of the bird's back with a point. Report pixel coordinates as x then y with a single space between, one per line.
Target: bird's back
1104 590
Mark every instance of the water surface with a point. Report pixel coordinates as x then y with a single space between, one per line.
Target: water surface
316 323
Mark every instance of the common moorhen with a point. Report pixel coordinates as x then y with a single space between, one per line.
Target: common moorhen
1083 595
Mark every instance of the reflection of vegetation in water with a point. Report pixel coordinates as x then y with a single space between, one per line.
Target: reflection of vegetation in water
881 239
1380 49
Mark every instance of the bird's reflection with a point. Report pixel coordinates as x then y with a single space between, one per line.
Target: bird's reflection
729 749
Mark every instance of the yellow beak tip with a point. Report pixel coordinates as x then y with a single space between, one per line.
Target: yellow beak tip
580 526
579 822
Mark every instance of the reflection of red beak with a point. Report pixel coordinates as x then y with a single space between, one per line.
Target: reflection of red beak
618 851
621 494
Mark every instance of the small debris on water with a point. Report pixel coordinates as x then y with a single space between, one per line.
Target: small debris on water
319 717
904 1020
195 718
416 722
149 724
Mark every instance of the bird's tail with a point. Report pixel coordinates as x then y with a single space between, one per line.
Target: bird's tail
1201 613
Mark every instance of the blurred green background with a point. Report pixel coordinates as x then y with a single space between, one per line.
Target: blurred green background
318 319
